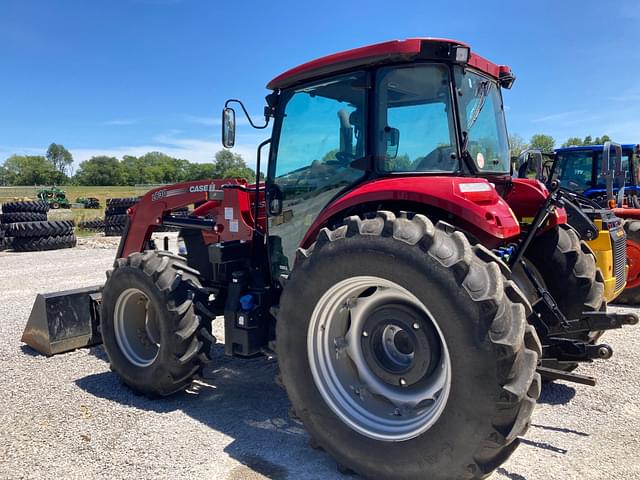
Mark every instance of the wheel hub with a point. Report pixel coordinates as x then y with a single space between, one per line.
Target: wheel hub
136 327
402 348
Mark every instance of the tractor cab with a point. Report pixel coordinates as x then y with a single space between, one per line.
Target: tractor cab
415 110
586 170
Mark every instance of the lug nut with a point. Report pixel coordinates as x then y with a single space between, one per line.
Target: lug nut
416 326
364 333
403 382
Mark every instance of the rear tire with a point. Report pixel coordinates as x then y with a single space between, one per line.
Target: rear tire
41 229
13 207
478 315
568 269
113 230
22 217
155 340
39 244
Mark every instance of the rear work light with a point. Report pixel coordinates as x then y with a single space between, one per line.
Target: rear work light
462 54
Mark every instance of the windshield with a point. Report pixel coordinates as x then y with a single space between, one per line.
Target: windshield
573 169
415 129
482 118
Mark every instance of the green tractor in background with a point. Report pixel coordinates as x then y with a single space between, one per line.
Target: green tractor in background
89 202
55 197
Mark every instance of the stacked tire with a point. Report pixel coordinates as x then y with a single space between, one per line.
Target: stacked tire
115 217
95 225
4 240
26 226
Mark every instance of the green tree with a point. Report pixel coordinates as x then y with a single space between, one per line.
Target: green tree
572 141
199 171
132 170
4 176
31 170
588 140
542 142
401 163
231 165
60 158
517 145
100 170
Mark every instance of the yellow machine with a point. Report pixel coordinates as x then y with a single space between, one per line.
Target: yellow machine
610 251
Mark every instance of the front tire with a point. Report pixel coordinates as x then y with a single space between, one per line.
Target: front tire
568 267
155 340
467 356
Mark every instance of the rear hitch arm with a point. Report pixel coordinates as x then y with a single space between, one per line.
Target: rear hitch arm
568 350
594 321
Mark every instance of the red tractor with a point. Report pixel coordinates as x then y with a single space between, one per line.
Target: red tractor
382 260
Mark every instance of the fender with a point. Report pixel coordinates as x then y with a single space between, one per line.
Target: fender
474 201
525 195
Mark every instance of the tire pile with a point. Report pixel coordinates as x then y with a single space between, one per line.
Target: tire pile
115 216
24 228
95 225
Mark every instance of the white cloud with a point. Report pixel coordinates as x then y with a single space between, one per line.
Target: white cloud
554 117
120 122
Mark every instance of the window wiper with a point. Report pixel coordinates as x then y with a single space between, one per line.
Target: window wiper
482 93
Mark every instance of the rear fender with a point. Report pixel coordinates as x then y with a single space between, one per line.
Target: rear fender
525 196
472 201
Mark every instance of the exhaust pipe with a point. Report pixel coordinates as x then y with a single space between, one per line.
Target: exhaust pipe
64 321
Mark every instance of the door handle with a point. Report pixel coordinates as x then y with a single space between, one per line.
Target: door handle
274 200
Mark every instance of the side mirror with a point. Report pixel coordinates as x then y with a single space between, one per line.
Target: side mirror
529 165
392 136
228 127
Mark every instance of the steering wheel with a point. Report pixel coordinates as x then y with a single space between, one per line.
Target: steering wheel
342 159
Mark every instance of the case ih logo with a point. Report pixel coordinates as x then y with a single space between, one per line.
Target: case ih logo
201 188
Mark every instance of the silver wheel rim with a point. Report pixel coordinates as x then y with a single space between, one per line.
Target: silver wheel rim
136 328
348 380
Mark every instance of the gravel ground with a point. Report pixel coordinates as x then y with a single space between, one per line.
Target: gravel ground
69 417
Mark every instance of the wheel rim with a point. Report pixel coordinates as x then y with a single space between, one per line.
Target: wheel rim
136 327
379 358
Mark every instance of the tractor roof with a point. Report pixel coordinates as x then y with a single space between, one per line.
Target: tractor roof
379 53
626 146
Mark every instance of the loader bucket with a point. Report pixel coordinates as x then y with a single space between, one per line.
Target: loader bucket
63 321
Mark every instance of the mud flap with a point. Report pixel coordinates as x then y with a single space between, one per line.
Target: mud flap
64 321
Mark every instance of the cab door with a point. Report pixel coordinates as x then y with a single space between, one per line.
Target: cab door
320 130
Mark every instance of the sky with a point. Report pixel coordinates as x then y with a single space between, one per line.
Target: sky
124 77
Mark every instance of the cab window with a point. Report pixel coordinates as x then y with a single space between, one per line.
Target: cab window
415 130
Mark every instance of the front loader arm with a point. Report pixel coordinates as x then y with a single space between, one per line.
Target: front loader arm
225 200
